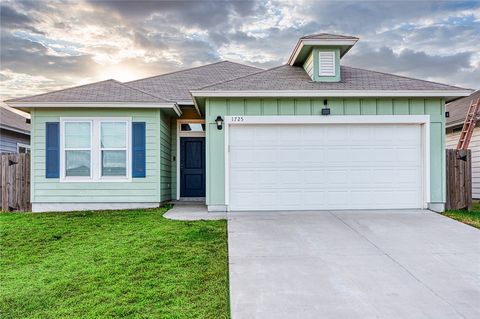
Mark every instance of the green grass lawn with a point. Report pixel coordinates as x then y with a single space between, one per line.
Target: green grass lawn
471 218
112 264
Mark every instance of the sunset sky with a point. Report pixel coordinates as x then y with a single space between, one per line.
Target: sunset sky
46 45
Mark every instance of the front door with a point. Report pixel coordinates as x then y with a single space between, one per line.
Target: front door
192 167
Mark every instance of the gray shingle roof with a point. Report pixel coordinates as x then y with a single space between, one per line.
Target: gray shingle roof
458 109
104 91
288 77
175 86
13 121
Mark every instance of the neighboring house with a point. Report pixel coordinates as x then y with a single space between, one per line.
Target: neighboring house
245 138
458 111
14 132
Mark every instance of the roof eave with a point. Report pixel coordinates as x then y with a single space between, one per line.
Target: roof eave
26 106
333 93
346 45
14 129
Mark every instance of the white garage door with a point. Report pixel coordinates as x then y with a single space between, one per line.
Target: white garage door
315 166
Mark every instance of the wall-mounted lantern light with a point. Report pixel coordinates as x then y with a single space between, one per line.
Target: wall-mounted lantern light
326 109
219 122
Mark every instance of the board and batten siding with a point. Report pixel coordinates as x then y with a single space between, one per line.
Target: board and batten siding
451 142
312 106
148 190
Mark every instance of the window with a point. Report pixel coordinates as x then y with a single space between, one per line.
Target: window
192 127
326 63
23 148
95 149
113 146
78 149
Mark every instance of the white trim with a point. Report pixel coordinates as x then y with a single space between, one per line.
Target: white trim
217 208
180 134
70 207
436 207
95 150
333 42
333 93
26 146
173 106
423 120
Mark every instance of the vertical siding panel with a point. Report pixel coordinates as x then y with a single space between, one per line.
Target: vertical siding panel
400 107
253 107
317 105
287 107
384 107
417 106
303 107
433 107
173 143
352 107
270 107
336 106
368 106
237 107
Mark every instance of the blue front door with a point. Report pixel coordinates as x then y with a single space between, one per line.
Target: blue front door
192 167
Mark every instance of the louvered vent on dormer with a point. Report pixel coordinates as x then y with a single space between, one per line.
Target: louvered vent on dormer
326 61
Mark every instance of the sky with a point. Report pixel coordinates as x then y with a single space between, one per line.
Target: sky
48 45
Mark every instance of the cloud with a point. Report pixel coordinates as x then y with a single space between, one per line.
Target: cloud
68 43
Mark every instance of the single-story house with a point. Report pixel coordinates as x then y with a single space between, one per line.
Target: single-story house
310 134
457 113
14 132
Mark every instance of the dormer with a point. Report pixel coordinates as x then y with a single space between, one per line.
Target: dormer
320 55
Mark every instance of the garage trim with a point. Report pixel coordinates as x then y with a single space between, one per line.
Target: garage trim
423 120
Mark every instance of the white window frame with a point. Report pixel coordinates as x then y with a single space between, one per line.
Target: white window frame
95 150
333 54
127 148
25 146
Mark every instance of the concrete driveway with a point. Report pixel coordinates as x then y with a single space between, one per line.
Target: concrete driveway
378 264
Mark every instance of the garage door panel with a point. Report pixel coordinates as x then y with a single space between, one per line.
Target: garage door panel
325 167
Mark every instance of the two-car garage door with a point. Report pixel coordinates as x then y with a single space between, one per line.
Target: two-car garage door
314 166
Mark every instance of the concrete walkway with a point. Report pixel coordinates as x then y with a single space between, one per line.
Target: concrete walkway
192 211
379 264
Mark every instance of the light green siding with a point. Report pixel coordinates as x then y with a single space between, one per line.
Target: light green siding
173 139
148 189
339 106
165 158
308 65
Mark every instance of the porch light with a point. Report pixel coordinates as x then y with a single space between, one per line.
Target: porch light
219 122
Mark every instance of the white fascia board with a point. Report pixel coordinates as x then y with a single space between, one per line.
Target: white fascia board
28 105
333 93
303 42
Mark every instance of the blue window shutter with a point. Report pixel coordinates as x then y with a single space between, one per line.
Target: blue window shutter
52 147
138 149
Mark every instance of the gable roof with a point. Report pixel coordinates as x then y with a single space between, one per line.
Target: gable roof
13 121
328 36
175 86
103 91
291 78
458 109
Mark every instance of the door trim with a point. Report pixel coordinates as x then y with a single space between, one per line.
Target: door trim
422 120
184 134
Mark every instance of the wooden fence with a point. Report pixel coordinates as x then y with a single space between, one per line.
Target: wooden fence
15 182
459 179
